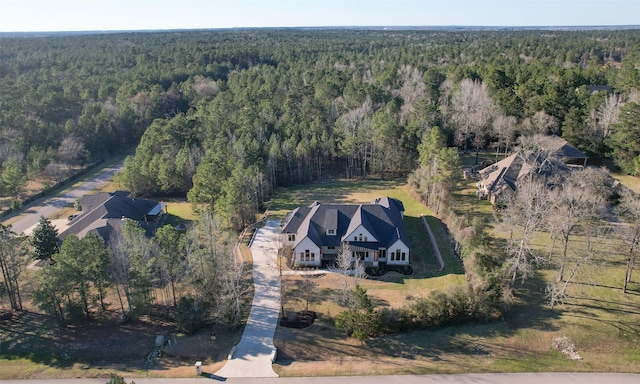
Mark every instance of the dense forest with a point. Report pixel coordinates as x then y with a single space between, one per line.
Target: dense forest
223 117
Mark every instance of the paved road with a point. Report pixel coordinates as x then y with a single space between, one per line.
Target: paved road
485 378
252 357
48 206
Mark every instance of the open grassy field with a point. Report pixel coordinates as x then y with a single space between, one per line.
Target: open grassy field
602 322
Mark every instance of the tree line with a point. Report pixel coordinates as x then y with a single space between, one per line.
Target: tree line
223 117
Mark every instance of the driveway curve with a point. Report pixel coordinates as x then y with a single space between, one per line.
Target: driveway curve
253 356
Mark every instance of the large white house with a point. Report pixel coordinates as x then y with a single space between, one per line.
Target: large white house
374 232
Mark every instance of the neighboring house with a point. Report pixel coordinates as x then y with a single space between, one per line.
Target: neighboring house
556 154
559 148
104 214
374 233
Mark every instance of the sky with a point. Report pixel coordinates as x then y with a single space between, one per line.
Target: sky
107 15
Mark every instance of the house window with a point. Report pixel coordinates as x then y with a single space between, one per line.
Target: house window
313 257
331 231
393 256
361 255
365 238
331 247
404 256
306 255
292 237
301 256
383 253
361 237
355 238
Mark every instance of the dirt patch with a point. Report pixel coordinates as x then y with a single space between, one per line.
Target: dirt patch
300 319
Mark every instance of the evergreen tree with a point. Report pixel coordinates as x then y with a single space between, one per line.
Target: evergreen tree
12 179
44 239
625 140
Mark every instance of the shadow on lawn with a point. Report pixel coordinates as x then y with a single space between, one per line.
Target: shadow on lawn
323 342
105 346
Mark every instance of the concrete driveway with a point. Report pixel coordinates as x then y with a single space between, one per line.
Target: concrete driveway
253 356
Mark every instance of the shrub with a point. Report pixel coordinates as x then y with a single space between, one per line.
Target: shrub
117 379
457 305
393 320
74 312
360 321
191 315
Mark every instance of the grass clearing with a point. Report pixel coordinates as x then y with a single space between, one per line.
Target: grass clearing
631 182
603 323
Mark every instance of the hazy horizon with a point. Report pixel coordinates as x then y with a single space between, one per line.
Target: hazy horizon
24 16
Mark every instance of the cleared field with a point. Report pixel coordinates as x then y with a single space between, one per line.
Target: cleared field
602 322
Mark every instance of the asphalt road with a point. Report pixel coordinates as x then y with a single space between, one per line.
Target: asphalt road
30 215
484 378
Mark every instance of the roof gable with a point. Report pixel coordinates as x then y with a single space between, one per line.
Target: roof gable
382 218
102 212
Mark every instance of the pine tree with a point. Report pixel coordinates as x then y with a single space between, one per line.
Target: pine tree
44 239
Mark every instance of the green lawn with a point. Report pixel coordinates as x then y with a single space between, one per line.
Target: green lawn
349 191
602 322
179 211
631 182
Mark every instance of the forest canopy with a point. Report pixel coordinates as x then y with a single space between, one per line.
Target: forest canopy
223 117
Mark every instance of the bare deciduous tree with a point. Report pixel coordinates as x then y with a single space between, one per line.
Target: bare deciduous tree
630 209
216 275
601 119
524 213
472 110
504 127
344 266
205 86
14 257
72 151
356 143
412 90
131 268
595 241
574 204
545 124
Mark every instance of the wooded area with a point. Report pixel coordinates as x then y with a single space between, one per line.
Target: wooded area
226 116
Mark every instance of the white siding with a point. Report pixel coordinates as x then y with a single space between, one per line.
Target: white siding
355 235
285 239
395 259
306 246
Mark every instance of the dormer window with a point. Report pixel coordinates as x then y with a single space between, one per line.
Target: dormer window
292 237
360 237
331 232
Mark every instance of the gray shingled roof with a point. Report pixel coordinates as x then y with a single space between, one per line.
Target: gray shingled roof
559 147
506 173
382 217
102 212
